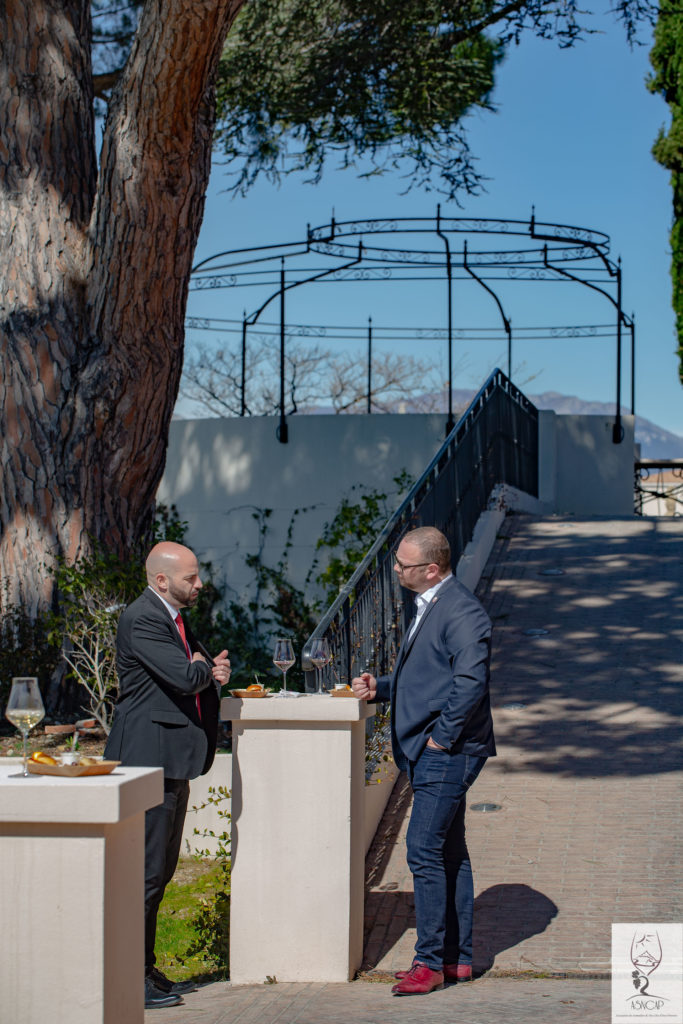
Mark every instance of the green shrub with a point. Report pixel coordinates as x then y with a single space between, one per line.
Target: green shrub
26 648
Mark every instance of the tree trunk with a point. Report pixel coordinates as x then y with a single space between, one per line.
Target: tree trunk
94 271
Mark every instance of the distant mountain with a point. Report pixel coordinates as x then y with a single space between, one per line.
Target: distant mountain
655 442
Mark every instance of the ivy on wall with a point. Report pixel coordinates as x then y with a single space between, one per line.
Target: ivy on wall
93 591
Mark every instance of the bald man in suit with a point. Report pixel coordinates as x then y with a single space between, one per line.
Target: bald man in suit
442 733
166 716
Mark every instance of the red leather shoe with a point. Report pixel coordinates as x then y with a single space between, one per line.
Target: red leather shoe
418 981
451 973
457 972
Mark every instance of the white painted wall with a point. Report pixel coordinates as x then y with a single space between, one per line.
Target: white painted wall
220 471
581 471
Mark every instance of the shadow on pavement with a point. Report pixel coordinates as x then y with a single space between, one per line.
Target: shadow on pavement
504 916
601 679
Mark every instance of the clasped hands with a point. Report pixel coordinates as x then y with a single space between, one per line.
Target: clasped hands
220 668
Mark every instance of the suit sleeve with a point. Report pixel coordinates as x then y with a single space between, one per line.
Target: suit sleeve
468 646
383 689
156 649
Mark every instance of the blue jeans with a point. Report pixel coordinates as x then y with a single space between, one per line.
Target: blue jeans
438 857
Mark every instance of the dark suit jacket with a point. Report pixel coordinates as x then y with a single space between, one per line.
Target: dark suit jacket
156 722
440 683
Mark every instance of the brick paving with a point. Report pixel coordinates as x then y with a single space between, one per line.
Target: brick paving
588 781
508 1000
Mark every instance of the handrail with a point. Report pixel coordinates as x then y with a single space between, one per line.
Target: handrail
494 441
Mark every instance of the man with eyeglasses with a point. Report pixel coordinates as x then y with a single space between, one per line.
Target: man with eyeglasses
442 733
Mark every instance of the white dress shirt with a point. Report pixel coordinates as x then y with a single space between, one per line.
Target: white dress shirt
424 599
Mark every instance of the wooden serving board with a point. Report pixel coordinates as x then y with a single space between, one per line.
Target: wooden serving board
72 771
250 693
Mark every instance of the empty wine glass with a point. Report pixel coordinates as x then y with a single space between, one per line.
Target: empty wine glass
283 657
25 707
320 655
646 951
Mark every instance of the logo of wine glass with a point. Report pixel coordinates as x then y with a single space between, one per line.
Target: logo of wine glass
646 956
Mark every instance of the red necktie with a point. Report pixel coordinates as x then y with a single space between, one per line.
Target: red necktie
181 629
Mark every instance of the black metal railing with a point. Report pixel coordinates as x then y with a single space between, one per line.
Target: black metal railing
658 487
494 442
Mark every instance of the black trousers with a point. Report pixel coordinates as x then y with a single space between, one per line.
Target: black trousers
163 836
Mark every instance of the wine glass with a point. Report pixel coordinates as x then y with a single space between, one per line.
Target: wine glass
25 707
320 655
283 657
646 951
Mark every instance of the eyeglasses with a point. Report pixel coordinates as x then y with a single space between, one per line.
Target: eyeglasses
415 565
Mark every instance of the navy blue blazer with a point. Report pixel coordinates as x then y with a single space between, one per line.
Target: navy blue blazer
440 683
156 722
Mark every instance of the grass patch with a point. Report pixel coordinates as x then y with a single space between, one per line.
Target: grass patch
188 898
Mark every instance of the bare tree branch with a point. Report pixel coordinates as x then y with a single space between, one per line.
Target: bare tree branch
315 379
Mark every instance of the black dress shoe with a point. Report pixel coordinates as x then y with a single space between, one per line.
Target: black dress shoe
178 988
156 998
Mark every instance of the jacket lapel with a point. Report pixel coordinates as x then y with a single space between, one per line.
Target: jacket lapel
408 642
411 640
164 617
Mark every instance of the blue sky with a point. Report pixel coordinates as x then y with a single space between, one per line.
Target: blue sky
572 136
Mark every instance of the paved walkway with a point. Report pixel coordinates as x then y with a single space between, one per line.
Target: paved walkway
487 1001
588 779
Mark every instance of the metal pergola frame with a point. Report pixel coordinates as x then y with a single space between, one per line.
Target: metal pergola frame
530 250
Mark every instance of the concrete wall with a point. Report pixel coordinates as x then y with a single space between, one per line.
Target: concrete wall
581 471
220 473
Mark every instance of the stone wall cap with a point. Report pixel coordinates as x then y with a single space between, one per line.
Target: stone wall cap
310 707
88 800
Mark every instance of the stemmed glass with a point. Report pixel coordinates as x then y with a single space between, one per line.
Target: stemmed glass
25 707
320 655
646 951
283 657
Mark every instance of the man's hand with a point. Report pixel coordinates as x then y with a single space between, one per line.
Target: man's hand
364 686
434 746
221 668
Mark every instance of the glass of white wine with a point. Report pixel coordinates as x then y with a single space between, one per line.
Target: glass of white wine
283 657
25 707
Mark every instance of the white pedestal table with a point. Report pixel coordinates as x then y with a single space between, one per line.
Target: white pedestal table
298 781
71 896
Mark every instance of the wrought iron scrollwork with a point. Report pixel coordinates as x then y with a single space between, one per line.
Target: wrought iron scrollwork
444 248
659 487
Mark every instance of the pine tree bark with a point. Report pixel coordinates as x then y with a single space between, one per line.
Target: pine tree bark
94 271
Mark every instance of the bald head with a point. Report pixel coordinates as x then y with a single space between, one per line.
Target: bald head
173 572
